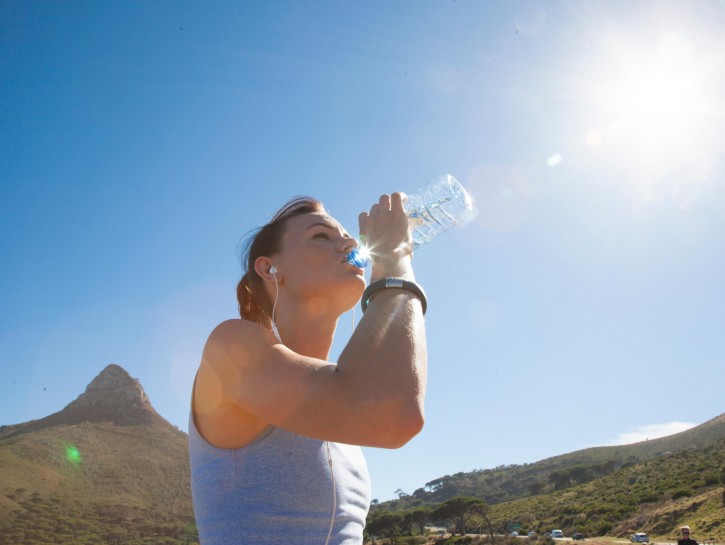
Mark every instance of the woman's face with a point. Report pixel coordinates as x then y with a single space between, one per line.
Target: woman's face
314 263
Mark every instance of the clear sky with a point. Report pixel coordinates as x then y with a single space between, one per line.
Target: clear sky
140 141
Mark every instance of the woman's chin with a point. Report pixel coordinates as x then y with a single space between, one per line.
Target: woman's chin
355 291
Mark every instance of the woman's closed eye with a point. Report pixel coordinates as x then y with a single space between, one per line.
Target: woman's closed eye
321 234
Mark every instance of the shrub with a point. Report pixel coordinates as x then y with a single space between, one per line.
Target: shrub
681 493
649 498
410 540
711 480
455 540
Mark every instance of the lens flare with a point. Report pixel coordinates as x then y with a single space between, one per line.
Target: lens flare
73 455
594 138
554 160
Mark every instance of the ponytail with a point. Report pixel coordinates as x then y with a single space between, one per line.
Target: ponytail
249 307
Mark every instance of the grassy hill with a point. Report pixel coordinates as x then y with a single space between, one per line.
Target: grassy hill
656 496
77 477
653 486
511 482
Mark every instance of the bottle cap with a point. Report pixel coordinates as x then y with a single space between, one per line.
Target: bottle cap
358 258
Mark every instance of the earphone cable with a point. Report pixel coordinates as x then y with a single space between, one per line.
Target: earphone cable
334 492
274 307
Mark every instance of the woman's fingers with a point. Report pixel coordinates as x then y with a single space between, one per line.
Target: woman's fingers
362 221
384 202
387 203
397 200
386 225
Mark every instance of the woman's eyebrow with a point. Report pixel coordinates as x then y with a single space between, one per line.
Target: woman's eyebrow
329 225
321 224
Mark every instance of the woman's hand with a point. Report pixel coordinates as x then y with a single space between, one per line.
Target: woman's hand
385 231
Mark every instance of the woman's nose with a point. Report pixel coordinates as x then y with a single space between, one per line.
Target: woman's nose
349 244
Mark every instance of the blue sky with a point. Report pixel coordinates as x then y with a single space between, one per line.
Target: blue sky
140 141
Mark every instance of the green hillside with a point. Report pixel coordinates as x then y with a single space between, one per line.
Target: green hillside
95 483
656 496
653 486
511 482
106 469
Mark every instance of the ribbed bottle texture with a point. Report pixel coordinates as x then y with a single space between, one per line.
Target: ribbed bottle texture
442 204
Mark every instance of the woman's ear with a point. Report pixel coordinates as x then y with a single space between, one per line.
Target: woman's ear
263 267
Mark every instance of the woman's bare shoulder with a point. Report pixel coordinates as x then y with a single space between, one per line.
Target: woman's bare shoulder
234 337
236 329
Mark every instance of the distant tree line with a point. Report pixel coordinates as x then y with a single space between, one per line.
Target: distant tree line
581 473
458 515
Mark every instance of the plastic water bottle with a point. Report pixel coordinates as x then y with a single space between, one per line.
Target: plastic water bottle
439 206
442 204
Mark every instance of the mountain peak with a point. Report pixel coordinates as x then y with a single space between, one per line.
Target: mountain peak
112 377
112 396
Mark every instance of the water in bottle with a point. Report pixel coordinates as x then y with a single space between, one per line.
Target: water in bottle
442 204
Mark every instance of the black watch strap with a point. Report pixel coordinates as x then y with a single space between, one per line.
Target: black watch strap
393 282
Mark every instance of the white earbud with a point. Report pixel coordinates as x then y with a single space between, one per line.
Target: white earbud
273 272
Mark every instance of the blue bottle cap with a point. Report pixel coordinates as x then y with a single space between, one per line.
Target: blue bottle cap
358 258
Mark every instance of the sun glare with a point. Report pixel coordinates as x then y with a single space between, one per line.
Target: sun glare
656 100
656 105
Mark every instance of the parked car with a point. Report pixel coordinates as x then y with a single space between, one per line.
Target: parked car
533 536
578 536
639 537
557 534
514 534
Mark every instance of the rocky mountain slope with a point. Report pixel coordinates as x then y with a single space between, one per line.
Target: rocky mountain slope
105 469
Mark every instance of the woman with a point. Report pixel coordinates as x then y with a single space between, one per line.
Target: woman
272 420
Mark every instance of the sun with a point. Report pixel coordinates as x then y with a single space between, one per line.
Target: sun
653 99
656 105
658 102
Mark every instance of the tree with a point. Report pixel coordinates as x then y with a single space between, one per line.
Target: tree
420 516
559 478
437 484
481 513
406 525
385 524
722 481
419 493
458 511
536 488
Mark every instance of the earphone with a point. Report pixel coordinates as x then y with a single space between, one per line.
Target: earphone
334 492
273 272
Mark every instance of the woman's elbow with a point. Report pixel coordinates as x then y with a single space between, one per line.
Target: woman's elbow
404 427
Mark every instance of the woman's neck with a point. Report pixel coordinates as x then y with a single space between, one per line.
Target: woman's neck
306 330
